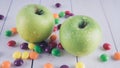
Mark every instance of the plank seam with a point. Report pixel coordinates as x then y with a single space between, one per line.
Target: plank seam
4 21
72 12
32 63
108 22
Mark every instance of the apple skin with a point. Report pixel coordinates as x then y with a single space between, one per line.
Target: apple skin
80 41
33 27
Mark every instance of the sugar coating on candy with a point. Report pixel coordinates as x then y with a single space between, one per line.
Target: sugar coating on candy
64 66
43 44
60 46
55 28
56 20
24 46
80 65
25 55
8 33
11 43
67 12
116 56
18 62
71 14
104 57
58 27
57 5
6 64
48 65
31 46
48 49
61 14
17 55
56 15
33 55
1 17
107 46
14 30
53 37
38 49
53 44
56 52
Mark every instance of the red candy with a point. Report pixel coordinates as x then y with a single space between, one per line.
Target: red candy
11 43
55 28
67 12
106 46
60 46
52 44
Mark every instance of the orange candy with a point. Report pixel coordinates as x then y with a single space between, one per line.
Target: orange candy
56 15
6 64
48 65
53 37
33 55
14 30
117 56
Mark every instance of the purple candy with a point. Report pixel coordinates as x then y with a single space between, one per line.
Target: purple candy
18 62
48 49
1 17
57 5
59 26
71 14
24 46
43 44
64 66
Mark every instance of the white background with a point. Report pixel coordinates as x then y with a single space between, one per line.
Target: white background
105 12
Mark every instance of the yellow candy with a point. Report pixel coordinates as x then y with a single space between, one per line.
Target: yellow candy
31 46
17 55
25 55
80 65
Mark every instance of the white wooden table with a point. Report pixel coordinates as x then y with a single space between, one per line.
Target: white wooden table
106 12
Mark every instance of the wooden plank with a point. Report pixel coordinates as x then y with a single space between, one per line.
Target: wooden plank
93 9
6 51
65 58
4 9
111 10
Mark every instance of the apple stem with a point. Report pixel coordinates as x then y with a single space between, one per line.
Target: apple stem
39 12
83 24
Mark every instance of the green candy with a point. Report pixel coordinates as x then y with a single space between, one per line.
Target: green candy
104 57
8 33
38 49
56 52
61 14
57 21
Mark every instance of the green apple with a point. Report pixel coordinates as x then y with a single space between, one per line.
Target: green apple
80 35
35 23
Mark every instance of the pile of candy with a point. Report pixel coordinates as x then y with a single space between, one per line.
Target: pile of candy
11 32
62 14
104 57
52 46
